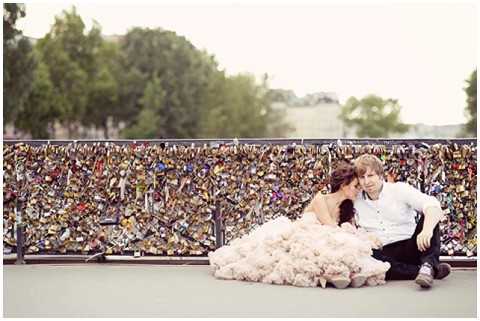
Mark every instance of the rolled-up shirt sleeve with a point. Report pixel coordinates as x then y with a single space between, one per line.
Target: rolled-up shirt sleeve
416 199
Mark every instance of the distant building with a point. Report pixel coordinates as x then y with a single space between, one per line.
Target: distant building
313 116
432 131
317 121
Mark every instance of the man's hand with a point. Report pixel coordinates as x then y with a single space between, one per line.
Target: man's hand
423 240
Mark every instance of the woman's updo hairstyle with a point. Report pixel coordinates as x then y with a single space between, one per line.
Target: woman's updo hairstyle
343 174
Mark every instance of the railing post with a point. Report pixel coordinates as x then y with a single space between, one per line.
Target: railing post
219 237
20 234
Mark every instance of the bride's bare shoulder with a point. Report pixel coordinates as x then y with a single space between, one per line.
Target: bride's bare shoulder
320 196
317 201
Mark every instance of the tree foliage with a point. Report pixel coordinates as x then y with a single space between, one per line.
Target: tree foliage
150 121
183 74
19 63
241 108
11 13
69 54
373 116
155 81
471 108
103 89
40 110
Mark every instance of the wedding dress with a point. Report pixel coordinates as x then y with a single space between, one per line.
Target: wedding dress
301 253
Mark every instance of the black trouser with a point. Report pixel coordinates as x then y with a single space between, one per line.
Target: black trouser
405 258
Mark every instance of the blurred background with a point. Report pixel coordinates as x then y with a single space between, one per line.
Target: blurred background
111 71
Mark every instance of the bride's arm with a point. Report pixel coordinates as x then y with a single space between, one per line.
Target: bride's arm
375 240
319 207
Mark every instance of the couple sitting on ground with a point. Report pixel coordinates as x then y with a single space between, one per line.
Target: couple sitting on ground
388 211
391 245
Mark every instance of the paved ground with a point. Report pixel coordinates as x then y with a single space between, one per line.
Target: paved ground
96 290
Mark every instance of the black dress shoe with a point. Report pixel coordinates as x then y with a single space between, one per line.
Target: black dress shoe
443 270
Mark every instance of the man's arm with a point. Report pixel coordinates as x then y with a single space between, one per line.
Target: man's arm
433 215
429 206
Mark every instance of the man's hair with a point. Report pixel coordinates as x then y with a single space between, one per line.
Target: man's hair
368 161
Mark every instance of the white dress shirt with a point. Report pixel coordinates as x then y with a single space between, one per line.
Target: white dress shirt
392 216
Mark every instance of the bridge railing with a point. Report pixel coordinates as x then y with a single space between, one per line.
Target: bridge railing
186 197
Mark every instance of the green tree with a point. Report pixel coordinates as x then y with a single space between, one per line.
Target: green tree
19 63
150 121
239 107
11 13
69 81
373 116
471 108
198 99
69 31
277 124
40 108
184 74
69 54
103 89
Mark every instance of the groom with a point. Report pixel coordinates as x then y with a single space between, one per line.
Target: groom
388 210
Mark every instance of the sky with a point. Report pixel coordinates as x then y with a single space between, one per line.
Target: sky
420 53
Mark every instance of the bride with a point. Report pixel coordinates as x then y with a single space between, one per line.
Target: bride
334 208
321 247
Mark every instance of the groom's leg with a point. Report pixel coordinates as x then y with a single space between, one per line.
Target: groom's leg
398 270
406 258
432 254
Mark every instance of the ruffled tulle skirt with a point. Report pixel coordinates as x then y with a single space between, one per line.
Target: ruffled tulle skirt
301 253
